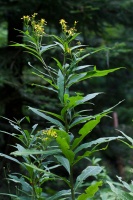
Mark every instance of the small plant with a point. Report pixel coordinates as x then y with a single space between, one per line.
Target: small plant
63 143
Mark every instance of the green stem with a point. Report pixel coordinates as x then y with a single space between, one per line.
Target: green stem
71 183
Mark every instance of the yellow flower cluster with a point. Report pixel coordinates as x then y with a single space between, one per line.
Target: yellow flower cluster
50 133
69 31
37 26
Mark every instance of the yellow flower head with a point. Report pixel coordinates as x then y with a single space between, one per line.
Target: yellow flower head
51 133
63 25
26 19
34 15
62 22
37 26
69 31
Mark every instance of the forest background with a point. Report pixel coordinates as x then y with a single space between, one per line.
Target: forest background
102 24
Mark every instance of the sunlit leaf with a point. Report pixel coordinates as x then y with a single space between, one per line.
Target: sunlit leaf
90 191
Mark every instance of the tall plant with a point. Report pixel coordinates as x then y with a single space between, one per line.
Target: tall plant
64 142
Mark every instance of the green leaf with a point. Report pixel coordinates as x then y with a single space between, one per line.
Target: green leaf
90 53
71 102
98 73
90 191
10 158
60 45
65 148
80 119
60 194
82 67
46 79
86 75
53 114
27 118
86 129
60 84
125 184
64 162
74 78
64 135
88 171
28 152
32 49
47 47
120 194
58 64
34 167
96 142
77 46
44 87
11 195
34 128
36 55
50 119
58 38
87 98
127 137
85 155
26 187
73 37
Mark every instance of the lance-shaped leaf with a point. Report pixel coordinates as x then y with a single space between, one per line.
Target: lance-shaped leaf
10 158
60 45
64 162
87 98
90 191
122 195
87 172
125 184
90 53
98 73
60 84
28 152
89 126
65 148
96 142
81 67
86 129
47 47
77 46
128 138
80 119
11 195
74 78
50 119
44 87
60 195
58 64
73 37
86 75
53 114
48 80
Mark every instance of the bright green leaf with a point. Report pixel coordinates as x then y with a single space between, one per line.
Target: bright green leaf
90 191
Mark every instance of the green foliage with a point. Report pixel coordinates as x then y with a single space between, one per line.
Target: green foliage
62 143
